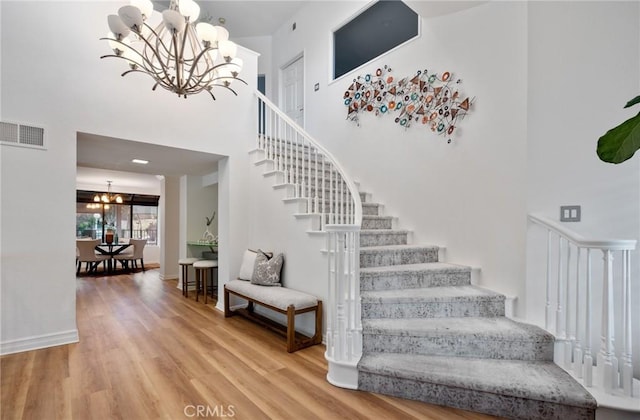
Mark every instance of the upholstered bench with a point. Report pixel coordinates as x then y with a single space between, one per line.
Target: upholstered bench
280 299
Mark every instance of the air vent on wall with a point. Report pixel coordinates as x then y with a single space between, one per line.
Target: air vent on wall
21 135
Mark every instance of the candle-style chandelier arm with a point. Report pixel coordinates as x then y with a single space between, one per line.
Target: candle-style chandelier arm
145 63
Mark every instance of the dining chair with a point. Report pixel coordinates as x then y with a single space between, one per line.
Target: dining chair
86 253
137 254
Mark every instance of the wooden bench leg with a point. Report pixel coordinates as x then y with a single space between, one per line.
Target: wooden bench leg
317 338
227 309
291 329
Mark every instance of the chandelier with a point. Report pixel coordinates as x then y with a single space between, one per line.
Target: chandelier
107 197
179 55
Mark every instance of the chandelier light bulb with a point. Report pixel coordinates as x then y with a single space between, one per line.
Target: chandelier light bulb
145 7
228 50
223 34
117 26
173 21
189 9
207 33
132 17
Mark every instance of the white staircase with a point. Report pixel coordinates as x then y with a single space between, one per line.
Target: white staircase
428 334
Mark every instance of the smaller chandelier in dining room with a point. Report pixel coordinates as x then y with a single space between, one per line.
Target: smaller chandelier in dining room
107 197
181 56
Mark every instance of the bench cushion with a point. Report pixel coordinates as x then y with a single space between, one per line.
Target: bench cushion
278 297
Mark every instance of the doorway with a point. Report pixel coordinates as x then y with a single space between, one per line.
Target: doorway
292 102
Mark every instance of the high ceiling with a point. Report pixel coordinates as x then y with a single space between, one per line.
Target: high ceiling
244 18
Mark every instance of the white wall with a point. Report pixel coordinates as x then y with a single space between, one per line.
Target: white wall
272 227
261 45
202 201
80 92
468 196
169 228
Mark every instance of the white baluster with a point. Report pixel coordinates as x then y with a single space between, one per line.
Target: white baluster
607 362
259 123
547 309
626 362
341 208
280 145
324 193
302 172
309 182
588 358
331 199
568 344
287 153
316 203
294 163
560 297
577 350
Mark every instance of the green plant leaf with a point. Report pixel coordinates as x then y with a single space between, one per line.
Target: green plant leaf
632 102
621 142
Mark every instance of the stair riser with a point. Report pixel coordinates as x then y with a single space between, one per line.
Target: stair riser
462 308
371 210
382 223
413 279
466 399
378 239
397 257
459 345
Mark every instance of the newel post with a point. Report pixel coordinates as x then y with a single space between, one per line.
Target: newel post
344 324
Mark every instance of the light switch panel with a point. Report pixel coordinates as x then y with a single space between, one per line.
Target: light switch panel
570 213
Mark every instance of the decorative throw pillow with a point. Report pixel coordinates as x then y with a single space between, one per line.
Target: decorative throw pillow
267 271
248 263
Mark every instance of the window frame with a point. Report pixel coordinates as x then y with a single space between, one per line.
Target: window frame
360 67
130 200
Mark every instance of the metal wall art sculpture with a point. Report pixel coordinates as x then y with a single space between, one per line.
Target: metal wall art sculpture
428 99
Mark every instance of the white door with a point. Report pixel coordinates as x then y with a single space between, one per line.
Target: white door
293 90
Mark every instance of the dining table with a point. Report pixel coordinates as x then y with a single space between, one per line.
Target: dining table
111 249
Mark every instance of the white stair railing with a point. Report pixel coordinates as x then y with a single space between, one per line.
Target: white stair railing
317 179
570 307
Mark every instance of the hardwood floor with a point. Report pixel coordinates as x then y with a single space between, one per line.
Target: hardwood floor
146 352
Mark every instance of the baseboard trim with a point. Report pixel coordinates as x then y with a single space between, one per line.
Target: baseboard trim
169 277
39 342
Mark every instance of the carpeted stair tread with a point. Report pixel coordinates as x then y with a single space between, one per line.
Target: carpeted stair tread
434 266
381 231
535 380
431 294
412 276
497 328
391 248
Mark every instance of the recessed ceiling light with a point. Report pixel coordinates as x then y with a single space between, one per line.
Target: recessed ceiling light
140 161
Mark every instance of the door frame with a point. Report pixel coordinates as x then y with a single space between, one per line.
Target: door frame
286 64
